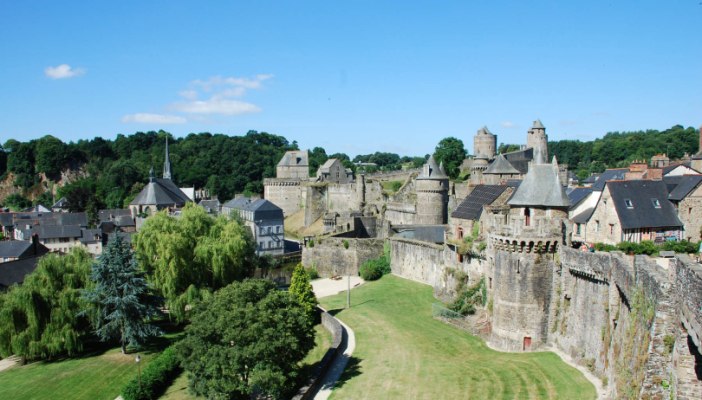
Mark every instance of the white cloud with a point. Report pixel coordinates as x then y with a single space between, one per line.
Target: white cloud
145 118
217 105
507 124
188 94
63 71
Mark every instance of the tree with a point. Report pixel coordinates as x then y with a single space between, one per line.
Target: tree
301 289
188 256
248 339
451 153
121 297
42 318
17 202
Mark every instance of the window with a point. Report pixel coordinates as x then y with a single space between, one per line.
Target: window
611 229
597 226
260 245
656 203
628 203
577 229
527 217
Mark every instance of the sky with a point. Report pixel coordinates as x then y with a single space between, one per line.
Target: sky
354 76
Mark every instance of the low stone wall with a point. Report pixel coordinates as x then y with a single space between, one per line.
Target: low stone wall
334 327
331 256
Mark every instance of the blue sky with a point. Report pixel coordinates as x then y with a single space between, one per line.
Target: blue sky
354 76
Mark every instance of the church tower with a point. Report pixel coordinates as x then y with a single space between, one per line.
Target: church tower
538 140
167 163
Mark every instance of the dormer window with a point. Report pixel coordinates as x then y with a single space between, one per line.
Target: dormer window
656 203
628 203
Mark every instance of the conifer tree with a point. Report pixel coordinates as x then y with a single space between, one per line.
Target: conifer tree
301 289
121 297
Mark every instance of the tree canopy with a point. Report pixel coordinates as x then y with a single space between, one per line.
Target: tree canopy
184 257
451 153
121 297
248 339
42 318
301 289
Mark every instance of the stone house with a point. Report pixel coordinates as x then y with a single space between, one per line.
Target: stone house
265 220
687 199
630 211
333 171
12 250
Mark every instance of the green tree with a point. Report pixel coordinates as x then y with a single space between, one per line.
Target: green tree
121 297
301 289
17 202
50 156
451 153
248 339
42 318
188 256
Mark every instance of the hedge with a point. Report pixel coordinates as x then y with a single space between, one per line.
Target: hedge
155 378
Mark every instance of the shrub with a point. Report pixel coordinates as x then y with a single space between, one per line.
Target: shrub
370 271
669 342
310 243
468 297
346 244
155 378
312 273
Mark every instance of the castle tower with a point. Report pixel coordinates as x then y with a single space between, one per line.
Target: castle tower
432 195
480 164
522 241
484 143
167 163
538 140
696 162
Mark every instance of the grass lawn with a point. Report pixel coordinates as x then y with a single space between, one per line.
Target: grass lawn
403 353
179 389
89 377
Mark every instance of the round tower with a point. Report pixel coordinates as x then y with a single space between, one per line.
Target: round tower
480 164
432 195
485 143
538 140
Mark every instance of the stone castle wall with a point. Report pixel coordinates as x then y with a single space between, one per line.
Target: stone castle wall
331 257
285 193
342 197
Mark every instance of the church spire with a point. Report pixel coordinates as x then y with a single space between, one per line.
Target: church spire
167 164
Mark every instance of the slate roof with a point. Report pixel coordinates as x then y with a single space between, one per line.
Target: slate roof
541 187
290 158
210 205
113 214
58 231
584 216
538 124
472 206
432 170
520 159
501 166
576 195
686 184
671 182
13 272
424 233
91 235
6 219
161 192
262 209
61 203
328 164
614 174
20 249
592 178
643 214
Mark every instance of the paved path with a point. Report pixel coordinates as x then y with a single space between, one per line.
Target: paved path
348 343
8 362
329 287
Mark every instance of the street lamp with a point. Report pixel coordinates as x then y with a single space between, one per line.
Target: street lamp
138 361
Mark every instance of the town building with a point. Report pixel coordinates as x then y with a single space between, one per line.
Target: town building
265 220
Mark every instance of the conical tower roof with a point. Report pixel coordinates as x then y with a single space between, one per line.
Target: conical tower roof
541 187
432 170
538 124
501 166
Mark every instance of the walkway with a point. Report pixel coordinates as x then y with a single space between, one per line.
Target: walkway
9 362
329 287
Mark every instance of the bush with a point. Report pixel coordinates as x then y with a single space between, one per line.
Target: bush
370 271
310 243
312 273
346 244
155 378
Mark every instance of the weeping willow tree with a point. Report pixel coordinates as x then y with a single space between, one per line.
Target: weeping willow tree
43 317
187 258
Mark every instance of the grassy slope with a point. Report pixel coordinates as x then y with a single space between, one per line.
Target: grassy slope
94 377
403 353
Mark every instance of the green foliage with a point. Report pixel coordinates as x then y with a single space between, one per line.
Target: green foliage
682 246
346 244
385 161
248 339
312 273
155 378
17 202
451 153
669 342
187 256
42 318
50 156
374 269
301 289
467 298
506 148
120 297
316 157
82 195
391 187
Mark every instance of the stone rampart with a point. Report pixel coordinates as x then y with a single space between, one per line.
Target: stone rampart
340 256
342 197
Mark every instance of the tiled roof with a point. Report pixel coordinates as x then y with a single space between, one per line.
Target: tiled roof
472 206
686 184
541 187
649 208
609 175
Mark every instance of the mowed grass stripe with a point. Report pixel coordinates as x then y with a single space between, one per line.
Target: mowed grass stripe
403 353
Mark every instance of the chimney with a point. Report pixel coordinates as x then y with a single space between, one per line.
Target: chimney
35 243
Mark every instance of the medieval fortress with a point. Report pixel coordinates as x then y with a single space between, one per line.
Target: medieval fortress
634 321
